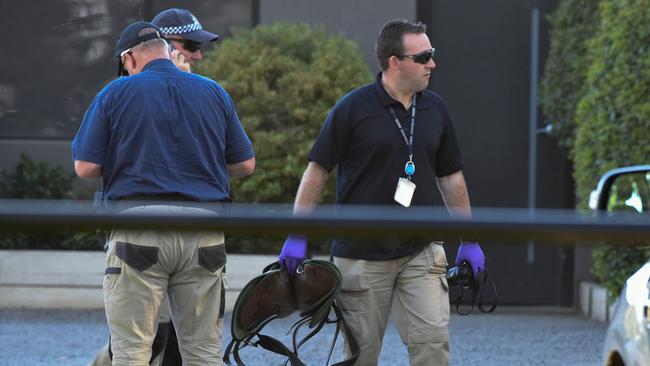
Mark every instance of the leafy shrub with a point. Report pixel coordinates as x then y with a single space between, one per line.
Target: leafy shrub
283 78
562 86
33 180
613 116
614 264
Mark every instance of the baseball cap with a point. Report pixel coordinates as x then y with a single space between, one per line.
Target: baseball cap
131 36
183 23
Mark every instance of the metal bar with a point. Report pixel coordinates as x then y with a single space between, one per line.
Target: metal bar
354 221
532 135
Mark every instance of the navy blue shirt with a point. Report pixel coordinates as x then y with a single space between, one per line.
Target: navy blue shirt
163 131
361 139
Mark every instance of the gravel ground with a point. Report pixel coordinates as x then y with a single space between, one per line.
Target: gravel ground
507 337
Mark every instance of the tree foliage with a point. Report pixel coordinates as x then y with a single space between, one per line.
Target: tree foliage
31 179
283 78
614 264
35 179
613 117
562 86
595 92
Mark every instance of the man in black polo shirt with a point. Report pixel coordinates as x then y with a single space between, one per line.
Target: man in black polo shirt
376 136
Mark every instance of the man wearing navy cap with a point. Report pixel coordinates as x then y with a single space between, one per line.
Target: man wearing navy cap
163 135
185 32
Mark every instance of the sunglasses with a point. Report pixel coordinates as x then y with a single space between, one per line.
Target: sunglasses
422 57
188 45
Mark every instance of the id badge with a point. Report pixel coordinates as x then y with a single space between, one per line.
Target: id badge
404 192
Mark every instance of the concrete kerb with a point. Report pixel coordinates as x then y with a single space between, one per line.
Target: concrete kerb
593 301
43 279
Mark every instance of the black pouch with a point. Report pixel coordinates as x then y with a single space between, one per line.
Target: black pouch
461 279
102 235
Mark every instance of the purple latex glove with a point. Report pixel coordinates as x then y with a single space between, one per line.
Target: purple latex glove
293 253
471 252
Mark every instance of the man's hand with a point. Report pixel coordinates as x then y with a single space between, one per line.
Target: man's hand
471 252
179 61
293 253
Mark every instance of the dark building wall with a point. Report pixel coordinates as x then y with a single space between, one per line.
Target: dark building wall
61 56
359 20
484 74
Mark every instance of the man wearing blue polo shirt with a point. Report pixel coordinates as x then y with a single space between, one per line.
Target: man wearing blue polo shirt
162 134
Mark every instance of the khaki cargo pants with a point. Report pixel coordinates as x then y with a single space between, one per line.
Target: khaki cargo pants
141 266
413 290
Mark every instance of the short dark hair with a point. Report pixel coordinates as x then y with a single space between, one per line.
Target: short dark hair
390 39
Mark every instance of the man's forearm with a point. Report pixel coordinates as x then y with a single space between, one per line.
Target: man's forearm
310 189
454 194
87 170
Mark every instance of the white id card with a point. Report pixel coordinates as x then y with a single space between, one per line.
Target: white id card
404 192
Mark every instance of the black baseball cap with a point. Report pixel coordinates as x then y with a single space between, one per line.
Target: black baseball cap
183 23
131 37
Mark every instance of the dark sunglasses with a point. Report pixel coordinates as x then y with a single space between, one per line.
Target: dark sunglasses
188 45
422 57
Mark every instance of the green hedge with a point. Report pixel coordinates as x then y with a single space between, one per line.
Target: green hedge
283 78
35 179
562 86
613 117
615 264
32 179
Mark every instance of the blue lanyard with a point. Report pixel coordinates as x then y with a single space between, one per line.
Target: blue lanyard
410 167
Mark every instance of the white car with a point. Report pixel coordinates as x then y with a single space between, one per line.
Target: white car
628 336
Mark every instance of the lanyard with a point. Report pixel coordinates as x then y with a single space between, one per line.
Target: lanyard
409 168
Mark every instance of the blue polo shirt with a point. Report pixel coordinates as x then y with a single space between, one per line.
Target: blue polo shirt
160 132
360 138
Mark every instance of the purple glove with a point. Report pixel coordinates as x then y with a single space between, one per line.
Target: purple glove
471 252
293 253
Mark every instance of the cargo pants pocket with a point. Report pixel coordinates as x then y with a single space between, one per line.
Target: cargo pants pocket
354 287
213 257
139 257
436 258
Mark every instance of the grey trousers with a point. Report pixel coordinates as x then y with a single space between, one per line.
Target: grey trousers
413 290
143 266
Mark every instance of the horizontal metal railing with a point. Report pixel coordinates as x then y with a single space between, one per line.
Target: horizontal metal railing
565 226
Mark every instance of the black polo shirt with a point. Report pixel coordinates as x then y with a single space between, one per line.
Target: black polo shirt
361 139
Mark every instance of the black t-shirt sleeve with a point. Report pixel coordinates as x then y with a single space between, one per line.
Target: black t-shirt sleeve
332 141
448 156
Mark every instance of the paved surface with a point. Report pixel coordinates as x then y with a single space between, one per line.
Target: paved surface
506 337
